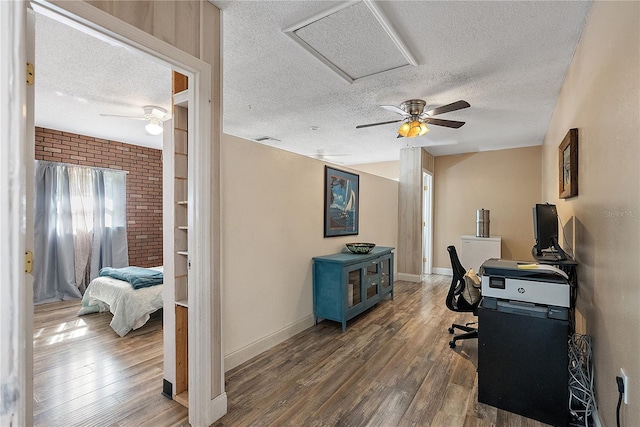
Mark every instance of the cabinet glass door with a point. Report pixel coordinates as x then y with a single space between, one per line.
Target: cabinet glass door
354 288
385 273
372 279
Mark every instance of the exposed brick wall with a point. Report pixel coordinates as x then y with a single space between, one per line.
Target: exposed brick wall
144 183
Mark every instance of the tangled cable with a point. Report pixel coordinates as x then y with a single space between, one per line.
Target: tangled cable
582 401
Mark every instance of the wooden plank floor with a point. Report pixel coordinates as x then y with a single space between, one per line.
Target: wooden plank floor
86 375
392 367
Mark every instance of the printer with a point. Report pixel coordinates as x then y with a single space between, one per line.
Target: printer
515 284
524 319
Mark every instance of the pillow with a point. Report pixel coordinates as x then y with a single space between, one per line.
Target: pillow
471 291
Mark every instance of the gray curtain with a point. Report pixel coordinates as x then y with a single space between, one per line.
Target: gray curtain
62 268
54 251
82 202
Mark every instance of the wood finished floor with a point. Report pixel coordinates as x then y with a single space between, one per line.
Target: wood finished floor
392 367
86 375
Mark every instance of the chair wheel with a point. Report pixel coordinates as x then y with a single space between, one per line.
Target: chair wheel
451 330
452 344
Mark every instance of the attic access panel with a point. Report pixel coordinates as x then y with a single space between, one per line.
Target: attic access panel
355 40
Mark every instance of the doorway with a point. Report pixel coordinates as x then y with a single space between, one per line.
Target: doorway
80 361
427 222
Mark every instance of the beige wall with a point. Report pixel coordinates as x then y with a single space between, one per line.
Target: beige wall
506 182
601 97
272 225
390 170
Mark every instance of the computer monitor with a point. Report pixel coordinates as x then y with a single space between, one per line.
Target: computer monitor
545 228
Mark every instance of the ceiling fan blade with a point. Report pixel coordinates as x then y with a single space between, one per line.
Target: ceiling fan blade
446 123
458 105
395 109
378 124
124 117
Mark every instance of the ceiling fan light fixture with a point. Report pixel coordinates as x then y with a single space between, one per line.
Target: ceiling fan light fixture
154 127
404 129
414 129
415 118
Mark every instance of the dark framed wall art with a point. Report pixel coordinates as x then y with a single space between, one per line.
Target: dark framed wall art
341 200
568 162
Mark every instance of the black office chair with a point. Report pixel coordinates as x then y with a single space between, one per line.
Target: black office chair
455 301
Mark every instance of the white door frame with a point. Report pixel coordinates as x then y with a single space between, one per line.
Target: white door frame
15 335
427 222
205 407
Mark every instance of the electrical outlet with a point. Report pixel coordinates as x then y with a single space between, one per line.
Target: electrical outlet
625 381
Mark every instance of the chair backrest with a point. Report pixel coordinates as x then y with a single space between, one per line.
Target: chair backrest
454 302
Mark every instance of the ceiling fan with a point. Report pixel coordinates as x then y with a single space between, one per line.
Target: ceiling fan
154 115
415 118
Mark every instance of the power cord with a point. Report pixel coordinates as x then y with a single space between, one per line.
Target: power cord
582 401
620 393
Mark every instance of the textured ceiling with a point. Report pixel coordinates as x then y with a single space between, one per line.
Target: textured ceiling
79 77
507 59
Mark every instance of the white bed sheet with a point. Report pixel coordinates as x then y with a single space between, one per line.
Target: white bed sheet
130 307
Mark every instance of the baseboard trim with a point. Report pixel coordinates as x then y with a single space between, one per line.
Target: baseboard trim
409 277
240 356
443 271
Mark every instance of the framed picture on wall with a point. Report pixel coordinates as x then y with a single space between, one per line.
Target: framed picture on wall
568 162
341 199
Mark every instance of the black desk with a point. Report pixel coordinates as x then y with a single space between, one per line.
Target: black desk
523 365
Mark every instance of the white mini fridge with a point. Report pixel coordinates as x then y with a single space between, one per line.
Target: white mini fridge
476 250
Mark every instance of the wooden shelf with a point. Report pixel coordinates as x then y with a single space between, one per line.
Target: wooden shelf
181 99
179 228
183 398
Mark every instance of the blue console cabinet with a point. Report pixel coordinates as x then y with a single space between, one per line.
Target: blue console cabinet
346 284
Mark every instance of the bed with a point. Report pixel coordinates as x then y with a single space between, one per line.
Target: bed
130 307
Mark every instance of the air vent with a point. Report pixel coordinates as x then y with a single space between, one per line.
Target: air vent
266 139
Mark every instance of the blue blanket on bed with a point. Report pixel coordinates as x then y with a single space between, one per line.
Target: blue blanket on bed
138 277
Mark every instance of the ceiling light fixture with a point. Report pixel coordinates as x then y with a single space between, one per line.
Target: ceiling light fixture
154 116
154 127
412 127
